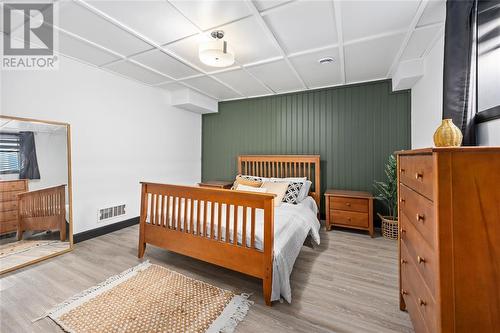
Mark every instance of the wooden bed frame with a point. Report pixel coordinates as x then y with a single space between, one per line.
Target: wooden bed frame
161 224
43 209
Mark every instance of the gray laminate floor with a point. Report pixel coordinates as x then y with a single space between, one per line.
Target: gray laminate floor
348 284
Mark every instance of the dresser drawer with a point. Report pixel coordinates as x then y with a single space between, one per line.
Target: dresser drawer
8 205
420 253
415 292
6 186
416 171
353 219
9 196
349 204
8 226
9 215
419 211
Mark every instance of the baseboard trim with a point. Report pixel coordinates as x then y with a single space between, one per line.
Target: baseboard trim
89 234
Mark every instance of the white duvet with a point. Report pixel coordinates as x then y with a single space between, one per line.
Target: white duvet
292 225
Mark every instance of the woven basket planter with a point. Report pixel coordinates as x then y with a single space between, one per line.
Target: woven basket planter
389 227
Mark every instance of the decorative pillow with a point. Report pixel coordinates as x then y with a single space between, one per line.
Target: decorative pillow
246 181
278 188
242 187
296 189
305 190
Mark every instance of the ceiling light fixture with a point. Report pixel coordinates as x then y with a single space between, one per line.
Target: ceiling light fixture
327 60
216 52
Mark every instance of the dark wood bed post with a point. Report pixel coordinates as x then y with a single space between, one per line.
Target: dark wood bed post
267 281
142 222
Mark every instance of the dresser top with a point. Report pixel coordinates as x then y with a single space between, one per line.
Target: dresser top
431 150
350 194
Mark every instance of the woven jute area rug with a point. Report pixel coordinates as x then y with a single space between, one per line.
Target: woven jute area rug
151 298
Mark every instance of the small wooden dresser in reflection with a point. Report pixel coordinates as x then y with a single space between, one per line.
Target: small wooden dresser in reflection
9 189
449 238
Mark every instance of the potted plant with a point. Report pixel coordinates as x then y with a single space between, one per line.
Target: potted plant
388 194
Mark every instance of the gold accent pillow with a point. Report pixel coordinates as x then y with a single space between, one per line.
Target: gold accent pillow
276 188
247 182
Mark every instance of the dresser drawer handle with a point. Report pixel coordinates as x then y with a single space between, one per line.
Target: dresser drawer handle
402 170
402 200
421 302
404 292
420 217
403 261
419 175
402 231
420 260
348 204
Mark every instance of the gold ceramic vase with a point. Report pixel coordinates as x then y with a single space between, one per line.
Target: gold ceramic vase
447 135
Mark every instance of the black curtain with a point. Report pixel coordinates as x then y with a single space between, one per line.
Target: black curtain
460 66
27 153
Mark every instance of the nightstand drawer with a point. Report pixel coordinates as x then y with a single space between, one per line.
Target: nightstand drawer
347 218
350 204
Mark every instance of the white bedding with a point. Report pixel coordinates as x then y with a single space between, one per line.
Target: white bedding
292 224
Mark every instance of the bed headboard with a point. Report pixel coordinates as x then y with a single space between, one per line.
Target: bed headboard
281 166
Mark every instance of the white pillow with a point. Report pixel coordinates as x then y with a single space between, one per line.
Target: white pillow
242 187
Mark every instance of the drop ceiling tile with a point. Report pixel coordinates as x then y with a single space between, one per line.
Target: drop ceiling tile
212 88
316 74
209 14
157 20
266 4
304 25
367 18
137 72
76 48
187 49
419 42
243 82
371 60
172 86
277 75
434 12
165 64
82 22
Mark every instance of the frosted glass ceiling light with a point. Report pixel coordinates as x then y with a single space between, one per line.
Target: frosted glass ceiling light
216 52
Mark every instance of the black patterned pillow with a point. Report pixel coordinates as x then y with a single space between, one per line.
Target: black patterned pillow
292 192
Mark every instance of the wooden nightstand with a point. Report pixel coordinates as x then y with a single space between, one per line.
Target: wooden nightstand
349 209
216 184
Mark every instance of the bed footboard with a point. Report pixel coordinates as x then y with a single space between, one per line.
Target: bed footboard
214 225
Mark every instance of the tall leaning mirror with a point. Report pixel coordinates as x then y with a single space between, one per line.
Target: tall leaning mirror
35 191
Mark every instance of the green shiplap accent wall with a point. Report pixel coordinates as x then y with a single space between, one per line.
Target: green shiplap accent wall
354 128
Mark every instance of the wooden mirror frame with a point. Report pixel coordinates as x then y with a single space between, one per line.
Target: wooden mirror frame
70 191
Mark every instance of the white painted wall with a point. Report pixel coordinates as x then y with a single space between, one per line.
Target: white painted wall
427 98
122 133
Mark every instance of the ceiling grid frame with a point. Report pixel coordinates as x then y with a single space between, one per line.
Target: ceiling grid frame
258 15
273 38
409 33
151 43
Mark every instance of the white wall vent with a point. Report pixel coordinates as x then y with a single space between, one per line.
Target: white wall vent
110 212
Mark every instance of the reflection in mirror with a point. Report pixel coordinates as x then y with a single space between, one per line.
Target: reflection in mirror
34 192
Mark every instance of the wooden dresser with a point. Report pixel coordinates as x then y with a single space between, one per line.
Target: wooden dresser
449 238
8 203
349 209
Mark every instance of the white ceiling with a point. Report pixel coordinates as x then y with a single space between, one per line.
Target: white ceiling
277 43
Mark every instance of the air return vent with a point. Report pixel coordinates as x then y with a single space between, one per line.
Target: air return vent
110 212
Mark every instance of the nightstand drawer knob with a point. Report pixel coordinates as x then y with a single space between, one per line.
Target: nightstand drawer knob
403 261
420 260
404 292
348 204
402 231
420 217
403 200
419 175
421 302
